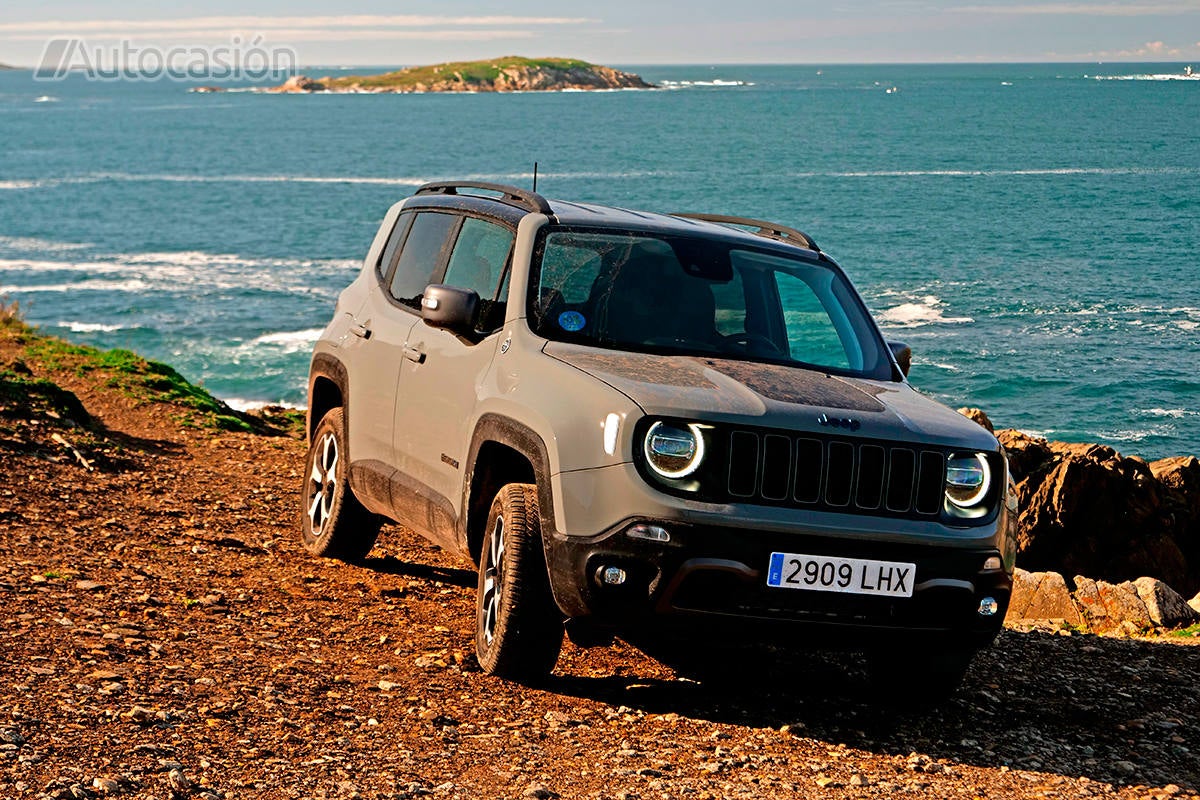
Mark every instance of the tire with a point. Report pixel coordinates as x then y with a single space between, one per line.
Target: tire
917 679
518 627
333 523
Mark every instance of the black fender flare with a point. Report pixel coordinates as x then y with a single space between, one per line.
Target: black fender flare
329 367
524 440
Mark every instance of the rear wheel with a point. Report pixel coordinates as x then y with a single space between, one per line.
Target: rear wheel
518 630
334 524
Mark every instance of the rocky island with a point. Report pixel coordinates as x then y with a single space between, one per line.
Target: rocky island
507 74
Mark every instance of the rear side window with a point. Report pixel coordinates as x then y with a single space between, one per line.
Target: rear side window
478 261
421 256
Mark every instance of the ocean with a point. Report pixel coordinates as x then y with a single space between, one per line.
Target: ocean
1030 230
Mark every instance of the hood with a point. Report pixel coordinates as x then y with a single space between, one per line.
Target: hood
773 395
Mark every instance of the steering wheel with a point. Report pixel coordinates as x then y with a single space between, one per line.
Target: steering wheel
746 339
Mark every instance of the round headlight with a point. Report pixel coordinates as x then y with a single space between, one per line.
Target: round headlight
673 451
968 479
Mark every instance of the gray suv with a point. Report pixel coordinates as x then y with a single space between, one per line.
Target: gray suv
682 429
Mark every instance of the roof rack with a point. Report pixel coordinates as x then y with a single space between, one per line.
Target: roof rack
510 195
768 229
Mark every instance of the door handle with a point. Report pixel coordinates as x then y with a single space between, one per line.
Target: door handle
414 355
361 331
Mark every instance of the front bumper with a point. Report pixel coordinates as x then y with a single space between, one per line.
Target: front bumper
714 576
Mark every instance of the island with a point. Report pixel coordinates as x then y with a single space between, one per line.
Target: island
507 74
4 67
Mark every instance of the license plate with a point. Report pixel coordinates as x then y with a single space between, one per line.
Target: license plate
848 575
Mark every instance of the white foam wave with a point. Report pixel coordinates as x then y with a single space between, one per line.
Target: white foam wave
715 82
1172 413
15 185
133 285
981 173
42 245
286 341
242 404
920 312
1160 76
90 327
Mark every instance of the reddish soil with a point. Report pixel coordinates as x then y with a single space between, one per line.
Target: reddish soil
165 635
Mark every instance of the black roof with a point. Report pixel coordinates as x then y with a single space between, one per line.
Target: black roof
511 204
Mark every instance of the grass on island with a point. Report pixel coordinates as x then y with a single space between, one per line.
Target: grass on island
473 72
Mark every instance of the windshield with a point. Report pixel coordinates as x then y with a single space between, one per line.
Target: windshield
693 296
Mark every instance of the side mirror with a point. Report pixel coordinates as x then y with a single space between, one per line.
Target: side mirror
450 307
903 354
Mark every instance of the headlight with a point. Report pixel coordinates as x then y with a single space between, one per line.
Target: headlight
968 480
673 451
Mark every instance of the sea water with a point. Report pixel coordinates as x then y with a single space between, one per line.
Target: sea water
1030 230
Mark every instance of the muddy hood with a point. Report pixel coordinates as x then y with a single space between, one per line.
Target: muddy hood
770 395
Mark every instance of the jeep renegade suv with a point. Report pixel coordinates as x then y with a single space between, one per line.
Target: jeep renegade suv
683 429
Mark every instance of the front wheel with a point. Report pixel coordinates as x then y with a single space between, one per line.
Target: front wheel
333 524
518 629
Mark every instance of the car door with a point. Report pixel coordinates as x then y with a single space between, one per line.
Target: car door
436 409
413 256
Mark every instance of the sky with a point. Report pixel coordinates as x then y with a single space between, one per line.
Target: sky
628 32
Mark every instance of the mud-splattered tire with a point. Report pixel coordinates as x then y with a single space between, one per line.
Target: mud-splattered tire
333 523
518 627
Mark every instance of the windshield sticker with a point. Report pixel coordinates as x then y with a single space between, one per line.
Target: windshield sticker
571 321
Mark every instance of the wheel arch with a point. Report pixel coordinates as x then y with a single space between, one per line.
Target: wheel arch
328 388
502 451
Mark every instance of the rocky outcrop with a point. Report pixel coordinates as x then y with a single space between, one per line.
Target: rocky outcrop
1128 608
1088 510
509 74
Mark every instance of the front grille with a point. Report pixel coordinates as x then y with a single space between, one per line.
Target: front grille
835 474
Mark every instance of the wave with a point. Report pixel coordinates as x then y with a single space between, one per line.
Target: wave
286 341
715 82
1163 76
132 285
41 245
985 173
918 313
242 404
15 185
1172 413
90 327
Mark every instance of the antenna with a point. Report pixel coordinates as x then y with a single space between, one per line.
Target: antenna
535 176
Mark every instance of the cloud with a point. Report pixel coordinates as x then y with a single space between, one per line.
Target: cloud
1089 9
356 27
1149 50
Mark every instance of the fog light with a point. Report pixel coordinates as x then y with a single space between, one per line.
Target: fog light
651 533
988 607
993 562
613 576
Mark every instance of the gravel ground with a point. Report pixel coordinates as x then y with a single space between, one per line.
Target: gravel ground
165 636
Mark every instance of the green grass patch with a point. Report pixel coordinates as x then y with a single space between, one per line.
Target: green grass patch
468 72
1190 632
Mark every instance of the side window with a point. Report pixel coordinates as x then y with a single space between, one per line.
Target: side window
421 256
388 256
478 262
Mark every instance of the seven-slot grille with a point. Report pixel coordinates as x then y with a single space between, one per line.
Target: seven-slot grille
854 477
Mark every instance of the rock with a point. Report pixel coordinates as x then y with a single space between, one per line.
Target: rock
1111 608
106 785
1195 602
1025 453
1124 767
976 415
1042 595
299 83
179 782
1166 607
539 792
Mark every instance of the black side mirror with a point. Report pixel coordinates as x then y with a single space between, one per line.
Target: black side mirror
903 354
450 307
